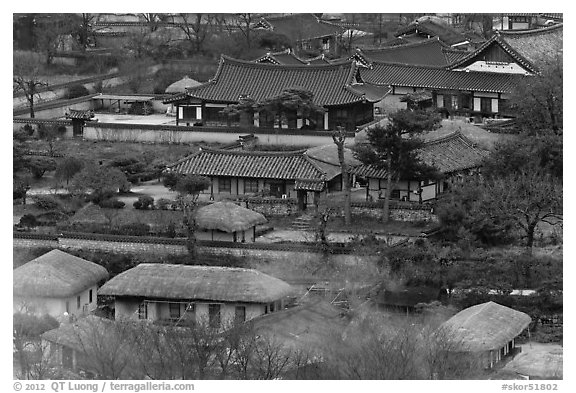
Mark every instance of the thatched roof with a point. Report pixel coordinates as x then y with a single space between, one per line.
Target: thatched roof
210 283
89 214
228 217
181 85
56 274
305 327
484 327
539 361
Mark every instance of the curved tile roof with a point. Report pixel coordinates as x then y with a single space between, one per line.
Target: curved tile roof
429 27
448 154
165 281
253 164
328 82
430 52
437 78
527 47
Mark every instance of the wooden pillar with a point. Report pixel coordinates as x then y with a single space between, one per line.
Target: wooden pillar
177 114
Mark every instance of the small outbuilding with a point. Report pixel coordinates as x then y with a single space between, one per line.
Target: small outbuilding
57 283
227 221
181 85
483 334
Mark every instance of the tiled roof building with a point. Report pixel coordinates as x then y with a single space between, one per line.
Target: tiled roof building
436 78
334 87
451 155
427 28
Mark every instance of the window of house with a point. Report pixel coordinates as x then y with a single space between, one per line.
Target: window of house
250 186
214 315
395 194
224 184
174 309
272 307
190 313
90 296
78 301
240 314
143 311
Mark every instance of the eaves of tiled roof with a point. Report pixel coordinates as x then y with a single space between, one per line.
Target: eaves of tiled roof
330 83
437 78
449 154
429 52
251 164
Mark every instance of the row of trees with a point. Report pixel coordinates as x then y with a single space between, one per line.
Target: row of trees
369 348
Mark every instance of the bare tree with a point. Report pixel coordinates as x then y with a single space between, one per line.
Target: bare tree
27 77
339 138
197 29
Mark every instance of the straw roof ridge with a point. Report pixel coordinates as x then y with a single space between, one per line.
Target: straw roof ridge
56 274
192 282
483 327
228 217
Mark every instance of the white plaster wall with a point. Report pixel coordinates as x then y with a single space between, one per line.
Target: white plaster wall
56 307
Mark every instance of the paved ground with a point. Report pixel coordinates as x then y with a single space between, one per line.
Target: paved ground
538 360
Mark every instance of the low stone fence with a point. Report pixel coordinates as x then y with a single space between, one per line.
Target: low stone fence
271 207
158 245
193 134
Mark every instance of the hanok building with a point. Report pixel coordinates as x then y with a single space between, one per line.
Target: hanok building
306 32
454 156
226 221
291 174
471 94
482 335
347 102
285 57
219 296
57 283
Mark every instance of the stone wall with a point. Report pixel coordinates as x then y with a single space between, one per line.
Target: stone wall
408 212
184 134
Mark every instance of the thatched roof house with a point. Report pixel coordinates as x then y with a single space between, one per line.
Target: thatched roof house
56 274
89 214
181 85
227 217
484 327
209 283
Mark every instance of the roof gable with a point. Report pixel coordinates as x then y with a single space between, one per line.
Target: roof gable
56 274
165 281
285 58
330 83
526 48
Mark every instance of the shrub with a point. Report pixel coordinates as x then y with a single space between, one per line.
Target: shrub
28 220
76 91
164 204
145 202
47 202
111 203
51 218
